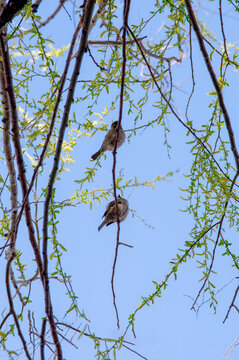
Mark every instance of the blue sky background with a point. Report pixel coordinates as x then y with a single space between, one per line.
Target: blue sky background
168 329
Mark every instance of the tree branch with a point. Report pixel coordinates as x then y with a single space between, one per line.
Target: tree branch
11 10
17 145
61 3
82 48
172 109
126 14
214 81
232 304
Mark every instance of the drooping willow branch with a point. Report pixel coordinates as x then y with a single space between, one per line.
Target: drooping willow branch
82 48
163 284
217 240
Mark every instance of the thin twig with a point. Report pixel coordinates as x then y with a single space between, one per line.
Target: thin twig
126 14
113 42
61 3
222 29
94 61
192 71
130 246
132 350
232 304
4 320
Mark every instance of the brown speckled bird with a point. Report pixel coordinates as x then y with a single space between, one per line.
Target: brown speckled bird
111 214
109 140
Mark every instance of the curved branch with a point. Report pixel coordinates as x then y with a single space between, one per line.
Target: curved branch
214 81
52 15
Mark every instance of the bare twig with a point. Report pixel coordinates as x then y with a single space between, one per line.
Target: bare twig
94 61
222 28
113 42
121 243
126 14
101 7
231 348
135 352
207 300
192 71
61 3
4 320
232 304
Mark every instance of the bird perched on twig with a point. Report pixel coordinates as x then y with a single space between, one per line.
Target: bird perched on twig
109 140
111 212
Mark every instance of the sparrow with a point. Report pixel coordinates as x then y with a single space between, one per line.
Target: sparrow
111 213
109 140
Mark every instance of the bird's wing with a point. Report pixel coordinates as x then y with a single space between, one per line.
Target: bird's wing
109 207
109 138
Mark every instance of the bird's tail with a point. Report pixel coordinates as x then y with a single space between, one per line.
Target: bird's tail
102 224
95 156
